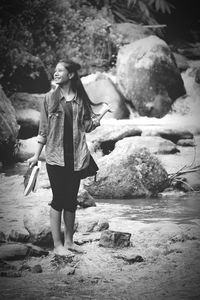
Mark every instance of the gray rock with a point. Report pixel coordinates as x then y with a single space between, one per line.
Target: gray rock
192 51
37 269
16 236
23 101
13 251
105 136
173 135
130 259
186 143
197 75
154 144
27 149
97 225
88 237
181 61
28 119
111 239
24 268
36 251
37 224
130 32
8 128
4 266
101 225
91 225
85 199
2 237
11 274
102 89
128 171
148 77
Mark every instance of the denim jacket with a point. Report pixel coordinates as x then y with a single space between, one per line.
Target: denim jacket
51 130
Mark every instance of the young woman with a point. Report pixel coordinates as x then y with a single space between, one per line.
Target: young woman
66 115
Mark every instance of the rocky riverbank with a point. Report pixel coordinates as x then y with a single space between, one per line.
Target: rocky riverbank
161 262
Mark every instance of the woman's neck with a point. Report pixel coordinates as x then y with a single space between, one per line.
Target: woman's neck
67 92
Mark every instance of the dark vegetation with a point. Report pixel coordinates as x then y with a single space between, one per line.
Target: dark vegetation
42 31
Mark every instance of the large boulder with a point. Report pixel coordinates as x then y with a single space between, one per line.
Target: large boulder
130 32
37 224
148 77
189 106
27 107
181 61
106 135
8 128
172 134
101 88
27 149
155 144
128 172
28 119
26 101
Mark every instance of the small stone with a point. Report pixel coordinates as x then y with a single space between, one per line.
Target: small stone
104 225
186 143
37 269
85 199
113 239
10 274
36 251
68 270
13 251
2 237
16 236
4 266
131 259
24 267
91 226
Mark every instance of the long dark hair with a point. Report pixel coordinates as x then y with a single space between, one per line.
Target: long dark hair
78 87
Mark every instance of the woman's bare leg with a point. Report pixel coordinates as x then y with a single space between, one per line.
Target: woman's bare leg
55 222
69 219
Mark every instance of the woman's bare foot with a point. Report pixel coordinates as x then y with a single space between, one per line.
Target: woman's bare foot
74 248
62 251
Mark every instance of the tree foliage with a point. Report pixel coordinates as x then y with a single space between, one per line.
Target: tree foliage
50 30
132 10
54 29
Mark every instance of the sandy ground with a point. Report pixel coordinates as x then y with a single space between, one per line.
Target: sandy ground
170 270
169 246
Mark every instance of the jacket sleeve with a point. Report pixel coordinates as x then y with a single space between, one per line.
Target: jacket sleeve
91 124
43 127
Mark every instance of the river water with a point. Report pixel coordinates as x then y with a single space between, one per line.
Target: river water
179 208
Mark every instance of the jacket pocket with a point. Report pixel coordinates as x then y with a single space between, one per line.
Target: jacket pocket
54 121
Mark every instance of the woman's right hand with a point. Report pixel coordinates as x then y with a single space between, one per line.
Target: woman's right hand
32 161
105 108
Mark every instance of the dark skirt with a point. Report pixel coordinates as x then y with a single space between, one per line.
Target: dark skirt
65 184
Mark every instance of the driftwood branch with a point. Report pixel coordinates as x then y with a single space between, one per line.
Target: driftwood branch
185 169
155 26
188 185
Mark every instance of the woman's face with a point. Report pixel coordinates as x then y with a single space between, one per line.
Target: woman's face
62 75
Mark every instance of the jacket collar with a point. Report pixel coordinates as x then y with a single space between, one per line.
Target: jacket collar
59 96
